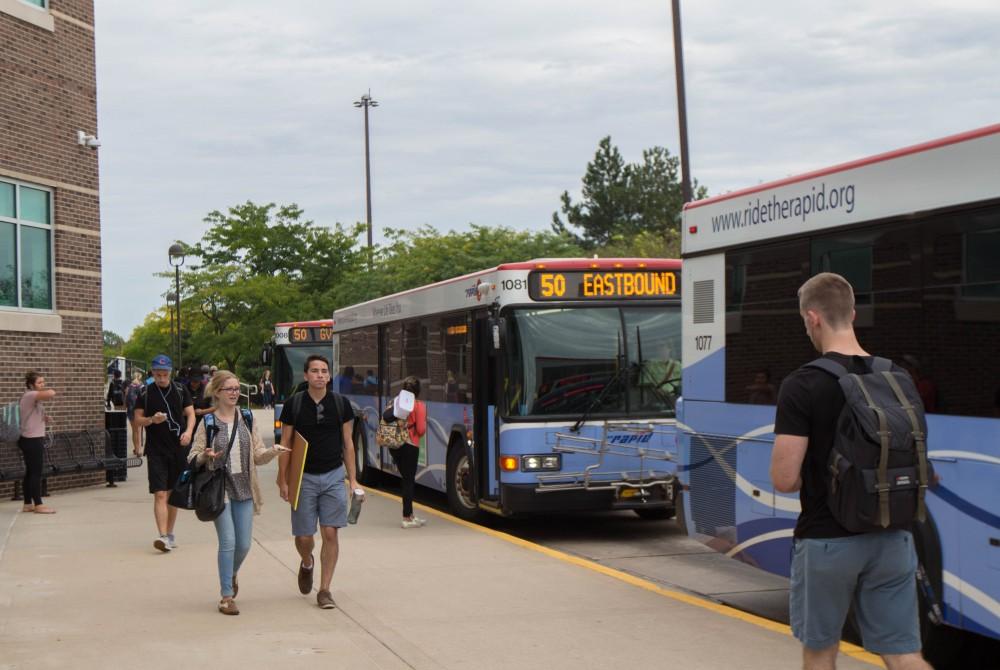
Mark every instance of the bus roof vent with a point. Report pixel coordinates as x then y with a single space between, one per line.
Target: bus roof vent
704 301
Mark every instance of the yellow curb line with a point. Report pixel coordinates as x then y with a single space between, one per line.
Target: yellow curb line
846 648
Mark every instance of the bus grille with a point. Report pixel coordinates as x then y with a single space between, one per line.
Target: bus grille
713 486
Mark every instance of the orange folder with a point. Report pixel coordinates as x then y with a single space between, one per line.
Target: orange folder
296 466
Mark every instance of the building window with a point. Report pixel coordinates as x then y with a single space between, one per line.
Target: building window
25 246
43 4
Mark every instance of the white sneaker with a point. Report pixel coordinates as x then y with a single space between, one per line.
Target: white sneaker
420 520
162 543
171 541
411 523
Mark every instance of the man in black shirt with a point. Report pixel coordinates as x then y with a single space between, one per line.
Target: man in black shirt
833 568
196 387
164 408
326 421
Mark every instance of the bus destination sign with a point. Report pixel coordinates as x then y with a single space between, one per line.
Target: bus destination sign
603 284
308 334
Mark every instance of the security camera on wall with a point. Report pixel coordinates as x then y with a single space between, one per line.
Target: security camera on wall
85 140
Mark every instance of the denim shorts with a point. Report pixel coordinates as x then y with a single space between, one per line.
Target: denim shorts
323 498
875 572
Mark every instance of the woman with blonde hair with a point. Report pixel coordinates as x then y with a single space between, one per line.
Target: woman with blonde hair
213 438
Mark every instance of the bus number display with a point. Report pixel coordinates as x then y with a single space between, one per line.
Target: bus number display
303 334
603 284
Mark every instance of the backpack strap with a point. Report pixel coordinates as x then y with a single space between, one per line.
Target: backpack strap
248 417
919 439
826 365
882 474
211 428
296 407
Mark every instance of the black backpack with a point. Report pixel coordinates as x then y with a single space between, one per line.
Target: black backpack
878 469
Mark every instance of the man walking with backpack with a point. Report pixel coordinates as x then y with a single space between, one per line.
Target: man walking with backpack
326 421
852 543
164 409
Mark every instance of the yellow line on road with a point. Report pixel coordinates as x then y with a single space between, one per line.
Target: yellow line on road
846 648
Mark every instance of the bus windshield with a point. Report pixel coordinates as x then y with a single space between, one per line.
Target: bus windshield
598 361
289 362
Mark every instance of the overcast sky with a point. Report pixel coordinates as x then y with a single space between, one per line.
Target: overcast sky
489 110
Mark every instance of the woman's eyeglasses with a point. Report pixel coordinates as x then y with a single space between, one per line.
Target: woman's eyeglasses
230 389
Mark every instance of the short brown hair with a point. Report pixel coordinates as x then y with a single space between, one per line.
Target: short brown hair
832 296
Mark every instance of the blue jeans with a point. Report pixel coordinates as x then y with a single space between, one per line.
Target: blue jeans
235 530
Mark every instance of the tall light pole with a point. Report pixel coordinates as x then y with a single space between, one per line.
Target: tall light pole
176 256
681 103
172 299
366 102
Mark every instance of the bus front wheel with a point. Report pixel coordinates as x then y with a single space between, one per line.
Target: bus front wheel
461 498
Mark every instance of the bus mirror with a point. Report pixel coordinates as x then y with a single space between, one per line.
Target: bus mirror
266 354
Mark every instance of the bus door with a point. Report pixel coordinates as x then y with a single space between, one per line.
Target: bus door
484 415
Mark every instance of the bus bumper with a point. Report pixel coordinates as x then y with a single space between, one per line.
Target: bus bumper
527 499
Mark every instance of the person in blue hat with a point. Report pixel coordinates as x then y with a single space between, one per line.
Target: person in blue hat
164 408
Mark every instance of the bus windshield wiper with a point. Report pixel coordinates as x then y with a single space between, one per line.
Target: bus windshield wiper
600 397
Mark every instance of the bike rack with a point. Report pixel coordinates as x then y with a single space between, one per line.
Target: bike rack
591 478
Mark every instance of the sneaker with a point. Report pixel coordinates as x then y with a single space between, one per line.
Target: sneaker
171 541
422 521
162 543
228 606
411 523
306 577
325 600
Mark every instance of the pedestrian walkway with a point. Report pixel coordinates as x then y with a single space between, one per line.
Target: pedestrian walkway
85 588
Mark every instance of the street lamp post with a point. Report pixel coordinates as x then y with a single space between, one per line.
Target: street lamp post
681 104
366 102
171 300
176 256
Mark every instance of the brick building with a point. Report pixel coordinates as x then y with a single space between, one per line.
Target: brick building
50 233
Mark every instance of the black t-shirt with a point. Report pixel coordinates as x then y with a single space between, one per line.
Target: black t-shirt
325 436
171 401
199 400
809 403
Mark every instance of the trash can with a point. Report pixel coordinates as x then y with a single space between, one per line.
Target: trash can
116 424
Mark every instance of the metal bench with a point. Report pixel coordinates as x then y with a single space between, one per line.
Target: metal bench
68 452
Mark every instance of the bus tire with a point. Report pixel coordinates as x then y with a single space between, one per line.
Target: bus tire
461 498
367 474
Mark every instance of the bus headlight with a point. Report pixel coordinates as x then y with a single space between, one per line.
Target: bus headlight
541 462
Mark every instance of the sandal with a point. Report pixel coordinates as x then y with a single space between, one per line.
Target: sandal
227 606
42 509
28 508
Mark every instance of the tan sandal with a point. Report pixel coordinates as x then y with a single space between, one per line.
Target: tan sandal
28 508
227 606
42 509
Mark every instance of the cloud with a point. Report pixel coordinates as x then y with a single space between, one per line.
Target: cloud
488 111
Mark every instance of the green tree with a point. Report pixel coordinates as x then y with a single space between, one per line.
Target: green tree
114 344
619 201
412 258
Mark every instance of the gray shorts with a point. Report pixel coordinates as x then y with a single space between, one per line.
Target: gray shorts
323 498
875 571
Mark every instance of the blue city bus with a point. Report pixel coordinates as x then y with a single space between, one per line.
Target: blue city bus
550 385
917 233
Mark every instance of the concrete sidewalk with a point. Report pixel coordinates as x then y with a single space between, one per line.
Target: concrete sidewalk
84 588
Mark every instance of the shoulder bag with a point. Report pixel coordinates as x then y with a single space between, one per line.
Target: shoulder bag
210 485
391 434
